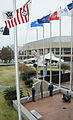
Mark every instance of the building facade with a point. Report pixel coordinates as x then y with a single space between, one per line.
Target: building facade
27 50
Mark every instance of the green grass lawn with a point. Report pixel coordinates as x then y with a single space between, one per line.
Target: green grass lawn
53 68
7 75
7 112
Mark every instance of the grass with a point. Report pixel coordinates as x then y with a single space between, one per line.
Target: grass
53 68
7 112
7 75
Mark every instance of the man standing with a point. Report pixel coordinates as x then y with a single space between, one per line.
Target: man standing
33 94
51 89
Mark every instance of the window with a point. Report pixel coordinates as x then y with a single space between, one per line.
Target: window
67 50
57 50
41 51
29 52
25 52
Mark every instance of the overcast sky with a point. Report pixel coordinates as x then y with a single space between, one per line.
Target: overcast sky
39 8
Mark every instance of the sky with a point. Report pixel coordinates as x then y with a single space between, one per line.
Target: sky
39 8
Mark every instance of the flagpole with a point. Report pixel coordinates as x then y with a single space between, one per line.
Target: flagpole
71 63
37 50
50 52
60 55
43 52
16 67
43 66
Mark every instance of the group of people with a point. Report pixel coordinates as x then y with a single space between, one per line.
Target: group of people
66 97
33 92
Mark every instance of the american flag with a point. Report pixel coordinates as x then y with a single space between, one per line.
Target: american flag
19 16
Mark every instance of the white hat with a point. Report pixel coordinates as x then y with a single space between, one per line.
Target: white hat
33 86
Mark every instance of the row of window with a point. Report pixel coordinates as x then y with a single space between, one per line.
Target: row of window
54 50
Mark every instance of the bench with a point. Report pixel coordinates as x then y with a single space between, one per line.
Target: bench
36 114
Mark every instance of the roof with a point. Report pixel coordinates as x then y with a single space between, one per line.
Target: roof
53 39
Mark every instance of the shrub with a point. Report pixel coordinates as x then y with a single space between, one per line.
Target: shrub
10 94
29 82
24 76
65 67
27 71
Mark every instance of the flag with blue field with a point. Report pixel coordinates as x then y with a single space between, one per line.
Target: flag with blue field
70 6
44 19
36 24
6 31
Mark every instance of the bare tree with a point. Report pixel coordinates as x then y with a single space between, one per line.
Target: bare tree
6 54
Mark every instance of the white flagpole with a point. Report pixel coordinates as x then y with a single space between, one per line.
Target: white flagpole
71 64
43 66
60 55
16 67
37 50
43 52
50 51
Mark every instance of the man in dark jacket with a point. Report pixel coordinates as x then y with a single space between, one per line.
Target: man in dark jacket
51 89
33 94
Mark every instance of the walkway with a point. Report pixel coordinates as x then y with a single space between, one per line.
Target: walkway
52 108
6 86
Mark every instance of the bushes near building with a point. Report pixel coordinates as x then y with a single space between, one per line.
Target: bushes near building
10 94
26 71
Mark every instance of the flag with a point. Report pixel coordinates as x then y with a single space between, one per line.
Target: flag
63 12
4 30
53 16
70 6
18 16
36 24
1 30
44 19
35 54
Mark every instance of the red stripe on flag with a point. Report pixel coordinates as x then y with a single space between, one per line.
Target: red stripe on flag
27 11
15 21
53 16
9 24
25 16
18 16
6 24
12 23
21 15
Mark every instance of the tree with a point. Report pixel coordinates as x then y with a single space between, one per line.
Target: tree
7 54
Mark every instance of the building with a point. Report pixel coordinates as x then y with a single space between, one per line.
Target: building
27 50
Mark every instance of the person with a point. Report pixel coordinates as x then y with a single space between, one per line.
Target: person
33 94
67 97
28 92
51 89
